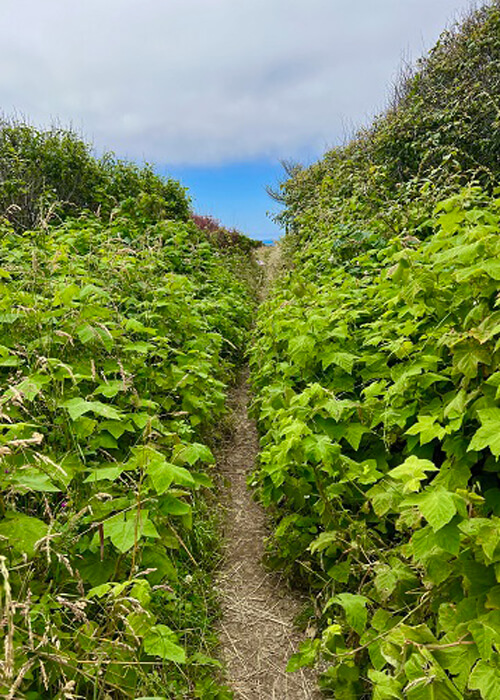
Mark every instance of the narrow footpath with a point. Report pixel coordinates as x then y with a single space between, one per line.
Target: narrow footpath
257 630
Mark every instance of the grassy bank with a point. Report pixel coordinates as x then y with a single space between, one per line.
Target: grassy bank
120 324
376 370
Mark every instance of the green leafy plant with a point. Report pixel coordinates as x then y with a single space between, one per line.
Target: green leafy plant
117 341
378 402
375 368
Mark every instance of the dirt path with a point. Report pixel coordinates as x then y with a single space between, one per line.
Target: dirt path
257 631
270 258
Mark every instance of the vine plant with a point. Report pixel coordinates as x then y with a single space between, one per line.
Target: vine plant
116 340
378 399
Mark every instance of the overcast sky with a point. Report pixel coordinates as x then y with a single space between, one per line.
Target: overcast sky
210 83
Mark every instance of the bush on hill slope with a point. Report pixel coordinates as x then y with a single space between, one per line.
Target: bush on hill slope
119 330
442 132
376 370
48 175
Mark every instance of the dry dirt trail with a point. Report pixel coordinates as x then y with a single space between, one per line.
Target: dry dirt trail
257 631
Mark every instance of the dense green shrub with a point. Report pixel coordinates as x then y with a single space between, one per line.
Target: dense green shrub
377 395
116 345
47 175
224 238
441 132
375 366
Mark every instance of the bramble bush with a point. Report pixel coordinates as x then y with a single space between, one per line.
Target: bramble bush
378 399
117 340
375 366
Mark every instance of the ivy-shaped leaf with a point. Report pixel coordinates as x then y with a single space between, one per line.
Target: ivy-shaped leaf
161 641
488 435
485 677
436 504
355 609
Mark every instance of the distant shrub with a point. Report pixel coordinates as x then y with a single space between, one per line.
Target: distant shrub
206 223
223 237
47 174
440 132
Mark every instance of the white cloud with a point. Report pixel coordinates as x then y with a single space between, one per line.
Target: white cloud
209 81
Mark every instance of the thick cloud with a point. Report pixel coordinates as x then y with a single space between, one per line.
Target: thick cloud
209 81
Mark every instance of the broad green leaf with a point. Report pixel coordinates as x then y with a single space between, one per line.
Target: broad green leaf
340 572
355 609
194 452
301 347
386 580
306 656
141 419
23 532
100 591
385 686
489 538
436 504
427 428
319 448
103 409
86 333
90 334
204 660
78 407
124 528
344 360
488 435
365 473
103 473
161 475
412 471
139 346
430 688
448 538
486 633
8 318
32 479
486 678
468 356
170 505
110 389
202 480
417 633
116 428
29 387
122 532
140 622
136 326
492 268
161 641
84 427
354 433
382 621
181 476
324 541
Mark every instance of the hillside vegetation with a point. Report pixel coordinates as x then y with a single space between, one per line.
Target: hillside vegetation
376 371
375 367
120 323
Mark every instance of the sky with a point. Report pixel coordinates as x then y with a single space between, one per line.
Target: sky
213 92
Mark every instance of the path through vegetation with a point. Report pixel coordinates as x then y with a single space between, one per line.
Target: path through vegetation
258 610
